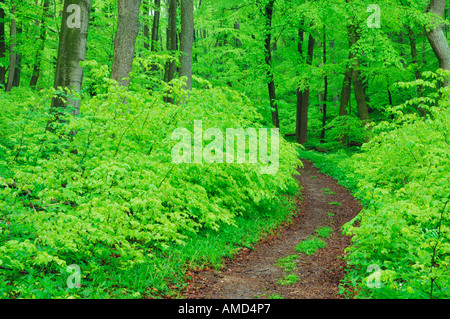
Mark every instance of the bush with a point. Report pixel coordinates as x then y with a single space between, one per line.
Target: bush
110 195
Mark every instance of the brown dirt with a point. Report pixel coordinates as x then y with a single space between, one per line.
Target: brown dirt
253 273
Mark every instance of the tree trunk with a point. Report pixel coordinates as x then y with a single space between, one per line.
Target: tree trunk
186 41
357 79
147 38
325 97
268 60
72 51
155 26
18 66
299 93
12 48
172 45
437 38
346 92
125 41
359 93
2 44
415 60
39 52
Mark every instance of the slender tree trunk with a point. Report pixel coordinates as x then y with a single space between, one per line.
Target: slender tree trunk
172 45
72 51
186 41
18 65
125 41
359 93
2 44
415 60
325 98
268 60
346 93
305 96
299 93
437 38
357 79
39 52
147 39
12 48
155 26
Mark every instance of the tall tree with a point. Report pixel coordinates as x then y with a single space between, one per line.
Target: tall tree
171 45
268 59
12 49
186 41
125 41
325 80
39 51
18 64
155 26
2 44
358 85
303 96
436 36
71 51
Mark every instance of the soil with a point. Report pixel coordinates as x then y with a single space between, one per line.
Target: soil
254 274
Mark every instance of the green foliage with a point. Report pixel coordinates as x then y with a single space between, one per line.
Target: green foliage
310 246
110 197
346 128
327 191
288 263
290 279
324 232
335 204
401 178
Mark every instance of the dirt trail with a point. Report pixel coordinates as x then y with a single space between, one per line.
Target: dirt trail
253 274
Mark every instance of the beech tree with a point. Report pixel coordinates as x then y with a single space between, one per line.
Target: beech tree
186 40
72 51
125 41
436 36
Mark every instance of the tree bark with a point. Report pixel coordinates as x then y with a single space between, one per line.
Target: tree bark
71 51
303 96
299 93
437 38
415 60
18 64
2 44
155 26
268 60
125 41
39 52
346 93
172 45
358 85
325 94
186 41
12 48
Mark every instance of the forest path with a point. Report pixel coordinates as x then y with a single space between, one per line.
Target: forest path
253 273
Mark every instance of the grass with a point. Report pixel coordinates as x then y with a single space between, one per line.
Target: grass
327 191
288 280
271 296
335 204
324 232
311 246
165 274
331 214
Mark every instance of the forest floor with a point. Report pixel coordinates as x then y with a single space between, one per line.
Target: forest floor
254 274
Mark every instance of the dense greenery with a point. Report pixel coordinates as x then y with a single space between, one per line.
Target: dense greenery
96 186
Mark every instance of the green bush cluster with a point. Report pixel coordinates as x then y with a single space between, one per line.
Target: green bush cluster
404 181
110 194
